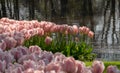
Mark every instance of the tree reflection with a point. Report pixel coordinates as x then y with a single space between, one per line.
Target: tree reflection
3 8
110 22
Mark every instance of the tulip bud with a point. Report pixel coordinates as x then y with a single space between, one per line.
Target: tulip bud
48 40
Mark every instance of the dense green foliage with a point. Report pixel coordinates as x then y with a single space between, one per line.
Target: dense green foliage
66 45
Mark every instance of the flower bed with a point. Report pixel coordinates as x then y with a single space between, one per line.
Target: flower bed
69 40
34 60
60 46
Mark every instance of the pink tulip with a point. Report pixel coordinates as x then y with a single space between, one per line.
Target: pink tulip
53 29
86 70
31 32
13 27
36 24
22 49
27 57
19 37
38 71
40 31
69 65
10 42
41 65
3 45
75 29
2 66
63 28
11 21
4 19
29 70
91 34
48 27
98 67
80 66
84 28
87 30
48 40
1 55
35 48
112 69
17 70
29 64
66 32
59 57
7 29
21 22
52 71
69 30
8 57
53 66
43 24
20 40
1 29
27 36
20 27
17 54
57 28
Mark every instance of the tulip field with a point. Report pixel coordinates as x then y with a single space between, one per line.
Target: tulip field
47 47
66 39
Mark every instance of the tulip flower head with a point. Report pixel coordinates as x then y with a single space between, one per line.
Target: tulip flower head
48 40
112 69
75 29
98 67
90 34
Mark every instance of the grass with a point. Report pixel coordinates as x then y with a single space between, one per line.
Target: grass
106 63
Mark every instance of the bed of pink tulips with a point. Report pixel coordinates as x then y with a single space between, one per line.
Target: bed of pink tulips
17 31
34 60
47 35
16 58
